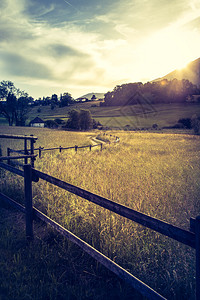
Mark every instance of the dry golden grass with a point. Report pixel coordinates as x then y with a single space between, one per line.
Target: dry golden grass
154 173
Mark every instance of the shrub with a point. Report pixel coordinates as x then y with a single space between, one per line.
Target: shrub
195 121
186 123
81 120
155 126
59 121
51 124
178 126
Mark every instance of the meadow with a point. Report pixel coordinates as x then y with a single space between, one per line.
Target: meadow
118 117
154 173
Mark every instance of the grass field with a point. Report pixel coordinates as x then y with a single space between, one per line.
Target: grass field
154 173
136 116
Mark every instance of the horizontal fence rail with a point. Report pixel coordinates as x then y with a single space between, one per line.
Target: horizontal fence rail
16 171
137 284
60 148
191 239
18 137
18 157
13 203
183 236
31 139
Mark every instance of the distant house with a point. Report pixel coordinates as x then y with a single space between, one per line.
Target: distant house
82 99
37 122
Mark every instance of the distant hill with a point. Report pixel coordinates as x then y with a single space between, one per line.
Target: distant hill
190 72
89 95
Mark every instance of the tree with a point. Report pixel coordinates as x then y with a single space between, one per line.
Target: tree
54 101
85 120
51 124
65 99
93 97
80 120
163 91
74 119
14 103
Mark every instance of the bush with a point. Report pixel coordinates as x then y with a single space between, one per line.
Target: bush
195 122
51 124
186 123
155 126
178 126
80 120
59 121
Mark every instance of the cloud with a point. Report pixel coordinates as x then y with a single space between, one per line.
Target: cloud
61 51
51 43
23 67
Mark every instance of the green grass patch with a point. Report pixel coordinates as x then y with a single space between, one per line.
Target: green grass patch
136 116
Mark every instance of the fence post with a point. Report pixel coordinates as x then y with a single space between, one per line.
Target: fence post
28 201
25 151
32 141
76 147
90 147
60 149
40 152
197 236
8 154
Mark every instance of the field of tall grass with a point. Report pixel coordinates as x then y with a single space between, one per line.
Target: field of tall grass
155 173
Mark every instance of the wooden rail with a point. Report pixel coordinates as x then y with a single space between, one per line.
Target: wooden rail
191 239
31 138
17 157
18 137
60 148
180 235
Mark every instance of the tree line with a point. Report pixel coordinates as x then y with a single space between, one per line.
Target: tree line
15 103
163 91
77 120
65 99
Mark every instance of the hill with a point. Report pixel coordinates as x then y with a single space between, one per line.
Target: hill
89 95
190 72
135 116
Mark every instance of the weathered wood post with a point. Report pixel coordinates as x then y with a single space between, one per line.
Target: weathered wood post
32 141
25 151
40 152
76 147
28 201
8 154
60 149
197 237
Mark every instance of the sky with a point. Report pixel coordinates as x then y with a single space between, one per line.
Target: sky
82 46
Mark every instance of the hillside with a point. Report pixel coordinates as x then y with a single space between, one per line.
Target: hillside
190 72
89 95
135 116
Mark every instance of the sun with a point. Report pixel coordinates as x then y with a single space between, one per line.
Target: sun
170 49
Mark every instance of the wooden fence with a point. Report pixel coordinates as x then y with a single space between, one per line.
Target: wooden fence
190 238
28 151
40 149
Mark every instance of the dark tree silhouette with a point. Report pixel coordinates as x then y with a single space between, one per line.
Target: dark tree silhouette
14 104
